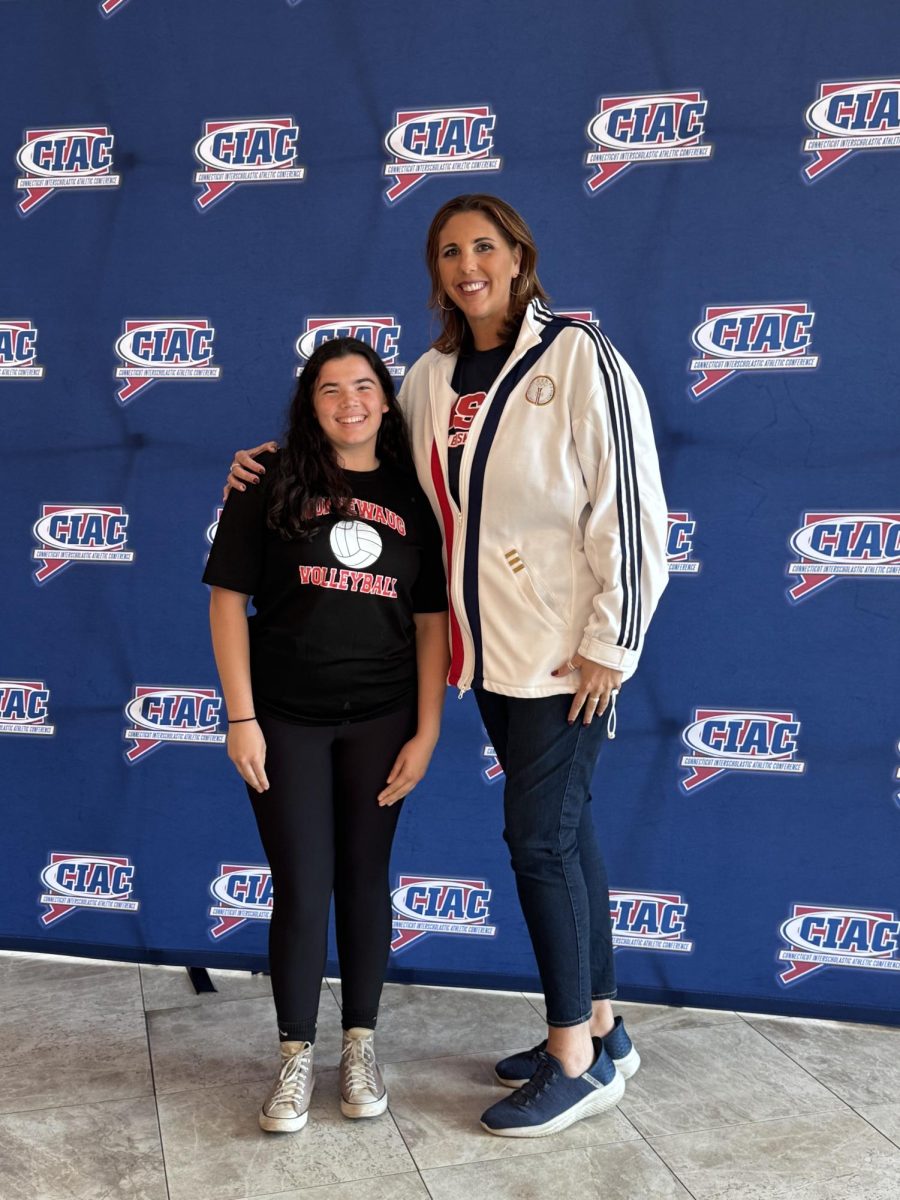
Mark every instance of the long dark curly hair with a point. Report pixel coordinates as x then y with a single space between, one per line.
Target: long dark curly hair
307 468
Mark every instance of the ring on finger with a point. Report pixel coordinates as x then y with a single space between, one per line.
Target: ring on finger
571 665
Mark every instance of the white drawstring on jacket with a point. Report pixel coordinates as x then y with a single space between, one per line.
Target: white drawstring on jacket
611 719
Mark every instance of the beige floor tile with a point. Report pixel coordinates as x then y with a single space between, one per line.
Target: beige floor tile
625 1171
216 1151
428 1022
108 1151
27 976
717 1075
390 1187
861 1063
70 1033
207 1046
437 1105
170 987
828 1156
885 1117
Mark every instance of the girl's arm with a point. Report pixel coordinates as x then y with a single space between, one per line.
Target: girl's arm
432 663
231 646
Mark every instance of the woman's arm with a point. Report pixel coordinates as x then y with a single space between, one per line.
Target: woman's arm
231 646
432 664
625 532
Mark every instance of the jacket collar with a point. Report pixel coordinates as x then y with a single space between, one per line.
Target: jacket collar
529 335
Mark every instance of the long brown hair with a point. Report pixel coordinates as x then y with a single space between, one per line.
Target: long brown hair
307 469
515 232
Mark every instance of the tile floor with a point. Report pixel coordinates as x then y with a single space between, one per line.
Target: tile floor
117 1081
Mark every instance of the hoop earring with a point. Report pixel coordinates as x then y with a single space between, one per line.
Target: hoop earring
443 307
522 291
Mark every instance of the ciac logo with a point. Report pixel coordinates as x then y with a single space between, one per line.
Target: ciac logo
840 545
649 921
70 533
241 892
438 141
18 352
171 714
643 129
23 707
173 348
493 771
578 314
425 904
381 333
71 157
251 150
680 544
862 114
96 881
734 739
751 337
819 936
213 528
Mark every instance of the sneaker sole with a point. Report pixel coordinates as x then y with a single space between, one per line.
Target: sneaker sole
597 1102
373 1109
629 1064
510 1083
282 1124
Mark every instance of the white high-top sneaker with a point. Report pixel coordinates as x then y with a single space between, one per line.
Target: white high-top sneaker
287 1108
363 1093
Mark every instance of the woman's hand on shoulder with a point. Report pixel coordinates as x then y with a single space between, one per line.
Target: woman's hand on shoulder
247 750
245 469
409 769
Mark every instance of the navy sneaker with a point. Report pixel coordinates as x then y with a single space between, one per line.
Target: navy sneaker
621 1050
551 1101
512 1072
518 1068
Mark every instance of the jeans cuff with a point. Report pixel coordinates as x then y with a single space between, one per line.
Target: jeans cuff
568 1024
605 995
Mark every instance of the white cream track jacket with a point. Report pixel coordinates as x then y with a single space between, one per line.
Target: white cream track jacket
559 542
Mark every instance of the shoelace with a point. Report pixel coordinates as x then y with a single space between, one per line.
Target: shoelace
292 1078
532 1089
358 1060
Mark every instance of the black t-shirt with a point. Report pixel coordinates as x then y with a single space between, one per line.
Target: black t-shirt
473 378
333 636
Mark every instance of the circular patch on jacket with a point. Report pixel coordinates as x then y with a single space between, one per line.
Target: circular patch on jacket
541 390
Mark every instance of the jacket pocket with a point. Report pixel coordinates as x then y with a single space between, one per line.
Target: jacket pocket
538 596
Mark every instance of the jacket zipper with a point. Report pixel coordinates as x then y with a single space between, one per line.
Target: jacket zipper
459 538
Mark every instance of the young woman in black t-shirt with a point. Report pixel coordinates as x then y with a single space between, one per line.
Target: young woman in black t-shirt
334 691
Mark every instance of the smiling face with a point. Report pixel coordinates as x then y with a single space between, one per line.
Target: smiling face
349 403
477 265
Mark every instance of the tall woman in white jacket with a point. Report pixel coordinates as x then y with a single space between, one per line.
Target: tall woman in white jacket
533 442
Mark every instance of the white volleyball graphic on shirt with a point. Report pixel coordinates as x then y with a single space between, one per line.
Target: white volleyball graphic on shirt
355 544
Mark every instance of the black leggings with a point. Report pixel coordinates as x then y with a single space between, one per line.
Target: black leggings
323 831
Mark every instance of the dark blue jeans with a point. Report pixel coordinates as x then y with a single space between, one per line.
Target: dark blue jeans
560 876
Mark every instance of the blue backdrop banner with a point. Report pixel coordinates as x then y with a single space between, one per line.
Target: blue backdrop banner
199 191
